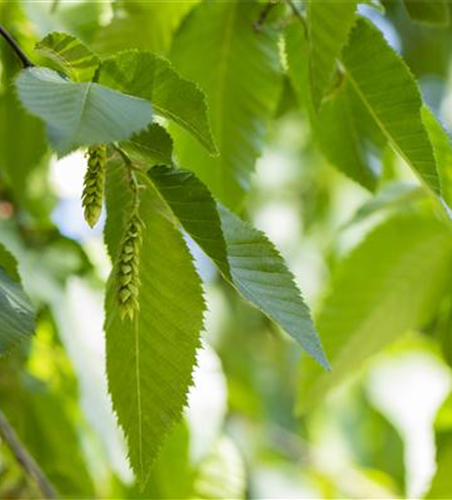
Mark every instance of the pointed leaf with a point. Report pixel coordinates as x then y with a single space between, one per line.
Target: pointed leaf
429 11
74 58
241 76
150 359
329 24
342 127
388 285
244 255
80 114
17 317
151 77
389 91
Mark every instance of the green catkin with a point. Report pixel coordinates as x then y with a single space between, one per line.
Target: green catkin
93 190
128 279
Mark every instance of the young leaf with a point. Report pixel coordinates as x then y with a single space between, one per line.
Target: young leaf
329 24
151 77
244 255
80 114
150 359
389 284
429 11
389 91
241 76
74 58
17 317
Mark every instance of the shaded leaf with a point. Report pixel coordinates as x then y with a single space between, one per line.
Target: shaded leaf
429 11
389 284
242 78
153 146
329 24
151 77
244 255
17 317
389 91
150 359
74 58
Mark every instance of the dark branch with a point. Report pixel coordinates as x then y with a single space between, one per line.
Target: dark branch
29 466
26 63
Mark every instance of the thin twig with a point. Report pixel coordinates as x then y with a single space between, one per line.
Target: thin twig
26 63
259 24
54 6
24 459
298 14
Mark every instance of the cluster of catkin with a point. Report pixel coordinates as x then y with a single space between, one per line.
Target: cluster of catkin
94 184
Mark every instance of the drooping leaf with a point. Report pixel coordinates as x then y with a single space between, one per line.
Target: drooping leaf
429 11
153 146
389 91
244 255
151 77
329 24
74 58
17 317
241 76
150 359
80 114
389 284
343 128
442 148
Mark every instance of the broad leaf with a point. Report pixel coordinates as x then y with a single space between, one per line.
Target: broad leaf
429 11
343 128
329 24
74 58
80 114
244 255
241 76
388 285
17 317
442 148
153 146
151 77
150 359
387 88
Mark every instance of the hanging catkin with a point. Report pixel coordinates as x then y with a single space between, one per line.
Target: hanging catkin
93 190
128 279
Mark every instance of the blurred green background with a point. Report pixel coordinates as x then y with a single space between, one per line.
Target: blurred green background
383 431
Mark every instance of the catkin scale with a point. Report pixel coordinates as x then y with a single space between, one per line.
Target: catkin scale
94 182
128 279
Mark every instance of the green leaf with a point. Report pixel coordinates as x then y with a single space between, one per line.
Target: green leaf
442 148
142 25
151 77
329 24
343 128
244 255
429 11
80 114
150 359
153 146
17 317
242 78
74 58
388 285
389 91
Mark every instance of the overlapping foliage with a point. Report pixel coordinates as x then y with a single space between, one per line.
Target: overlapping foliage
181 117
